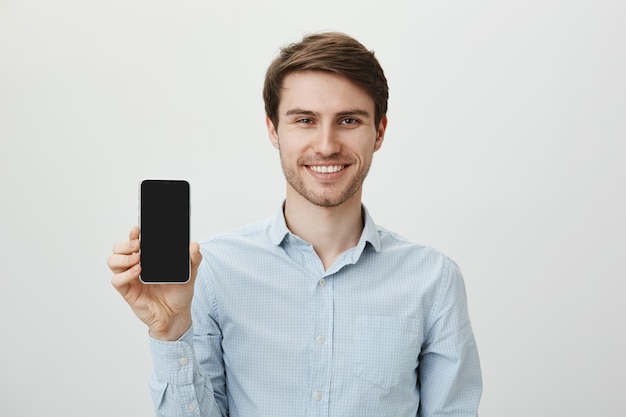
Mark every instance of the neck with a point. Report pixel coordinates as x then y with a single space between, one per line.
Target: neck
331 230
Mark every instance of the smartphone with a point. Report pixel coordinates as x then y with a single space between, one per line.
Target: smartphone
164 211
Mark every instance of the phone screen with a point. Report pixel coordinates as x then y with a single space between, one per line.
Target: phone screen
164 231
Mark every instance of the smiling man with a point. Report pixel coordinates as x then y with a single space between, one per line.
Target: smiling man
327 132
316 311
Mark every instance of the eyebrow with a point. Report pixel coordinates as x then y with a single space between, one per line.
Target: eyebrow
298 111
351 112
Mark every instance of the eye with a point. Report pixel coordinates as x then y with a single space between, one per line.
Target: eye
304 120
348 121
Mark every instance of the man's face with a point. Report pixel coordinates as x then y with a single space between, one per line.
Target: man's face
326 136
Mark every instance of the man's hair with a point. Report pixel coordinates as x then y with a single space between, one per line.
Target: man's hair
330 52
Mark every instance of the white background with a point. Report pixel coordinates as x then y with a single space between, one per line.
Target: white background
505 150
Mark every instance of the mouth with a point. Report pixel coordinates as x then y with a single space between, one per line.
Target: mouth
327 169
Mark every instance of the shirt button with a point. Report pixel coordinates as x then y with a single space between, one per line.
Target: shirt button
183 361
322 282
191 407
317 396
320 339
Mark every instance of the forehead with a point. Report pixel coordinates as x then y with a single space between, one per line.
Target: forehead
323 92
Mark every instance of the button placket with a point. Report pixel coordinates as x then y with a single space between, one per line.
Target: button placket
321 338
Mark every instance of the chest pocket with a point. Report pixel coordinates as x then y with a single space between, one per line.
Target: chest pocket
388 349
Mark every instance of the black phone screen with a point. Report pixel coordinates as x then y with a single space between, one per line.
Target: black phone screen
164 231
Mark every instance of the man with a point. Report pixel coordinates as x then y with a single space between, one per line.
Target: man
316 311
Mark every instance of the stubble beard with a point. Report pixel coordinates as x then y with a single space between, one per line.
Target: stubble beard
331 198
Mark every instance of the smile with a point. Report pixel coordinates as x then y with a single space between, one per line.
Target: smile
326 169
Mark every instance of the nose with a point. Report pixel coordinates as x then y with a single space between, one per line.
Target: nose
327 142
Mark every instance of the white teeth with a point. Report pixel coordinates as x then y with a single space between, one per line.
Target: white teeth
326 169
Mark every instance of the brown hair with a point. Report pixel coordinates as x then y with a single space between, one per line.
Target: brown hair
332 52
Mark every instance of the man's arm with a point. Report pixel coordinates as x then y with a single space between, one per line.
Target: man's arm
179 384
449 371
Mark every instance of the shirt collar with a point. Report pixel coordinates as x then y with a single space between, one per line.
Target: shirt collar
279 231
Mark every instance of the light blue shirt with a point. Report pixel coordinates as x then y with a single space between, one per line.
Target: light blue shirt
383 332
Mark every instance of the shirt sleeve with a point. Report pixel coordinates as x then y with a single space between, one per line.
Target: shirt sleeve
178 385
449 371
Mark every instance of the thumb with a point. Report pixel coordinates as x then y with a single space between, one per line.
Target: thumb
196 258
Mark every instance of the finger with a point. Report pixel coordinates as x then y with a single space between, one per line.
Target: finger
134 233
126 247
122 281
119 263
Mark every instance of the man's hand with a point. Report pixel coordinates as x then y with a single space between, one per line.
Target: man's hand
165 308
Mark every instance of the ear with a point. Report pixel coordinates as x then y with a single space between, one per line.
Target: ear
271 130
380 134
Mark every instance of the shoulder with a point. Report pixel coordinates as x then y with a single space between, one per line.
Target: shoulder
420 261
395 242
250 235
231 256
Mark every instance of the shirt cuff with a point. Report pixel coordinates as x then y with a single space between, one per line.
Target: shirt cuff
173 361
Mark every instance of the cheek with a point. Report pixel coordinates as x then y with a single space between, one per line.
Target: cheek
290 146
366 147
287 153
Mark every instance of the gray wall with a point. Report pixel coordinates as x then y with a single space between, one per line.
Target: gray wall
505 150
